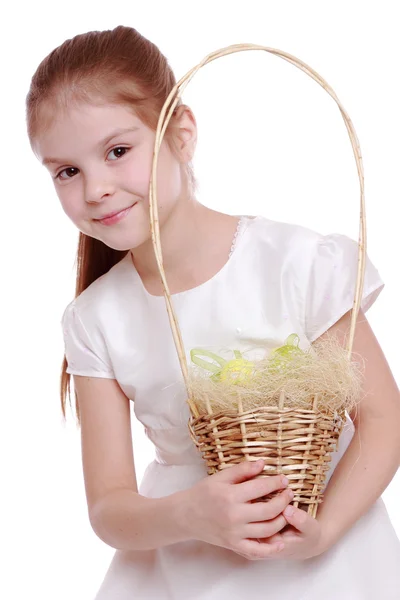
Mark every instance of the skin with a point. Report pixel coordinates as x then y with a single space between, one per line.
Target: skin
92 180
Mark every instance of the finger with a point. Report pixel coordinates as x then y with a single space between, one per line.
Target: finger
240 472
273 539
285 533
264 529
256 488
259 550
264 511
300 519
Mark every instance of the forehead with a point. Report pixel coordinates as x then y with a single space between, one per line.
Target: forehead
64 128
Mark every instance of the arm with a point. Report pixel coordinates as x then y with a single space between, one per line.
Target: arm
373 456
126 520
118 514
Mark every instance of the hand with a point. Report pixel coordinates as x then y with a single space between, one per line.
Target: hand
218 510
304 538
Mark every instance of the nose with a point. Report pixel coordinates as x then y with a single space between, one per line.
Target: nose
97 186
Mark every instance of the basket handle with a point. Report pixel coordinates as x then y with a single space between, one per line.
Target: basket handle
170 103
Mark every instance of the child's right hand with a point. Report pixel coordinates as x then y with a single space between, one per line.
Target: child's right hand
219 510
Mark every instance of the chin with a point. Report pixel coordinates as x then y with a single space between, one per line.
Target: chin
127 241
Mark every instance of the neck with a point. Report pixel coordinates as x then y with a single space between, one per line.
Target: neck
195 244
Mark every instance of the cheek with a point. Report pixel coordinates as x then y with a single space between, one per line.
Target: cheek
135 177
137 174
168 178
70 205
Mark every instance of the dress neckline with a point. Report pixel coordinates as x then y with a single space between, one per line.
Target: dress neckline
242 225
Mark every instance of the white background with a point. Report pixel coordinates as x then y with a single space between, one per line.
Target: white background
271 142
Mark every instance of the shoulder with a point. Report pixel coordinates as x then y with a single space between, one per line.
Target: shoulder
101 296
87 322
302 257
286 240
297 242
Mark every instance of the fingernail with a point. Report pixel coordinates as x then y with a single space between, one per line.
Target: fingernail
289 511
285 480
291 494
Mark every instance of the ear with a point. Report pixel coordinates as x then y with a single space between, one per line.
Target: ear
183 133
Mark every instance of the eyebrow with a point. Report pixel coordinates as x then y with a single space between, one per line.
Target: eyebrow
103 142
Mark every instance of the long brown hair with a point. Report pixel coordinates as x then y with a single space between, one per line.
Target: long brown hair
122 67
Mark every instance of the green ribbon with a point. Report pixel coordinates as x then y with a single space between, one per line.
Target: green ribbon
240 370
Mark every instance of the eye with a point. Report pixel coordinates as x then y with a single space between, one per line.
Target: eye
69 172
119 152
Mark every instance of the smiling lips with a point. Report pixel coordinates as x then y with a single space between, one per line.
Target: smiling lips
114 217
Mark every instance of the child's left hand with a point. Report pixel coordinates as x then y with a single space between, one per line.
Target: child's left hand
304 538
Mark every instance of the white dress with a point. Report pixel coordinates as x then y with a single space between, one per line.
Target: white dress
280 279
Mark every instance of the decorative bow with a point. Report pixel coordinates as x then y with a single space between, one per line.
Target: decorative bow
239 370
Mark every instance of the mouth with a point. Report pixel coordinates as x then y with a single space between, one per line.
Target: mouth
115 216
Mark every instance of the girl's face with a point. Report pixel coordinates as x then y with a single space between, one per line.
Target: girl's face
100 160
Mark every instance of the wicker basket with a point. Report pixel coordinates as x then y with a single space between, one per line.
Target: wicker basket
299 443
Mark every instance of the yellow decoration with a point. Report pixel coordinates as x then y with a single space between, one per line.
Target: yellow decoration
242 371
282 355
237 371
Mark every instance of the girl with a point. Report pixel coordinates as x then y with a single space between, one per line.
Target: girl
92 111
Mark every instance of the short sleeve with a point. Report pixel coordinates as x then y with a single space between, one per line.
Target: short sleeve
332 280
86 354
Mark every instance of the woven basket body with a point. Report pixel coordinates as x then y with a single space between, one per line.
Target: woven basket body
296 442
